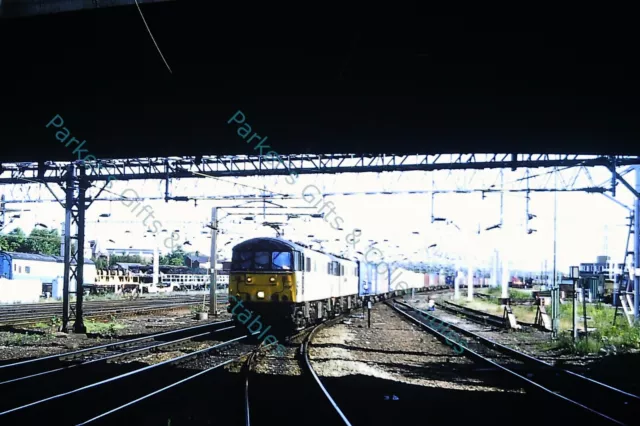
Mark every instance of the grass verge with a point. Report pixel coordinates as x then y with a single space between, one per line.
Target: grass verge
607 338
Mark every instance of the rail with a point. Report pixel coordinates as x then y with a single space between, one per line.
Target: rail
304 353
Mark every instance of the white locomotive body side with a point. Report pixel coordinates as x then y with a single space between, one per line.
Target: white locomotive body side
325 276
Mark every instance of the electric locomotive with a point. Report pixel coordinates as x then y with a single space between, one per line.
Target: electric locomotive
291 283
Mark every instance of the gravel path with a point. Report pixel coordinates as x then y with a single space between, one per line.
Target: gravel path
392 349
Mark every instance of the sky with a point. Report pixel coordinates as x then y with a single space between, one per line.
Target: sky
587 224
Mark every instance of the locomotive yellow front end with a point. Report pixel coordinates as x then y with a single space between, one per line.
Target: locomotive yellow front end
263 287
264 276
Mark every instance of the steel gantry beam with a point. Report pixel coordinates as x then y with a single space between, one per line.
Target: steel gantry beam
27 190
193 167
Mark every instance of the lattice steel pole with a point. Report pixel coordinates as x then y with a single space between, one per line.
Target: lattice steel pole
636 248
74 259
67 247
213 299
504 254
575 309
78 325
555 286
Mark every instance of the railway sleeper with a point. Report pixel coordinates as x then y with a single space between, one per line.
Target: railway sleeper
82 355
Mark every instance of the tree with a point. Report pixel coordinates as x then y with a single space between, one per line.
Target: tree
42 241
13 241
128 258
175 258
100 262
39 241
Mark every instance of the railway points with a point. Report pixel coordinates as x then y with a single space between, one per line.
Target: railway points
254 396
206 367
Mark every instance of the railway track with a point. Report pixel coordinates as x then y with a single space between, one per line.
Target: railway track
248 367
478 316
30 400
31 313
340 418
127 349
334 414
124 411
93 389
614 406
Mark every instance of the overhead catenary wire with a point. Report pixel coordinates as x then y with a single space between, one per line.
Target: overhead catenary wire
152 38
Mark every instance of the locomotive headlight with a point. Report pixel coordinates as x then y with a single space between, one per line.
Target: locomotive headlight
249 279
272 279
260 295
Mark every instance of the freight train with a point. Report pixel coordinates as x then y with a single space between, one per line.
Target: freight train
291 283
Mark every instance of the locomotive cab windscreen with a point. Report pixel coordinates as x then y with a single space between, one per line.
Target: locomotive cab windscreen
263 270
262 261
